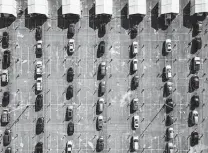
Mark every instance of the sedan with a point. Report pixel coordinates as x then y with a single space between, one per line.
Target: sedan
194 140
195 101
4 77
5 99
168 73
40 125
69 113
135 81
7 137
8 150
101 48
38 51
70 74
69 92
71 46
193 118
169 105
71 31
135 48
194 82
5 117
100 143
168 45
169 120
135 63
5 40
135 104
39 147
39 86
100 122
169 87
169 133
39 102
39 68
100 105
102 87
70 128
69 147
6 59
103 68
136 121
136 143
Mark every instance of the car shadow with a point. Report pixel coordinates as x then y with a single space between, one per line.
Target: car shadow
92 18
131 149
168 120
190 89
100 94
99 54
164 53
124 17
131 55
186 16
131 107
132 124
154 17
6 21
164 79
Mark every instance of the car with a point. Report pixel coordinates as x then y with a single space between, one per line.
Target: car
168 73
39 102
39 68
194 139
169 134
70 74
38 33
69 113
135 81
70 128
103 68
40 125
168 45
193 118
135 45
197 27
5 40
169 87
195 64
135 63
6 59
8 150
194 82
136 121
100 105
169 105
5 117
7 137
169 120
71 31
100 122
169 147
195 101
135 104
39 86
69 147
71 46
133 31
197 43
136 143
102 87
100 143
69 92
101 48
168 19
39 147
38 50
5 99
4 77
101 29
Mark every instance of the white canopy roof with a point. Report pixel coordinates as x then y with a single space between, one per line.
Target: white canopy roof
71 7
8 6
137 7
169 6
199 6
103 7
38 6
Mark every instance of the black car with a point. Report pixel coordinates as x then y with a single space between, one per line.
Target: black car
38 33
197 43
5 99
100 143
195 101
69 92
7 137
101 30
169 105
168 120
101 48
69 113
6 59
197 27
70 74
8 150
70 128
39 147
135 81
40 125
194 140
39 102
5 40
194 82
71 31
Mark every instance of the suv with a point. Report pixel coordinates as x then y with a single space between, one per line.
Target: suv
168 46
7 137
5 99
69 147
100 105
39 147
71 31
39 86
101 48
136 121
168 73
5 40
38 50
71 46
100 143
38 33
135 104
194 82
135 81
195 64
195 101
70 74
39 68
6 59
194 140
70 128
169 105
169 133
135 63
193 118
4 78
100 122
40 125
39 102
134 48
103 68
69 113
5 117
69 92
136 143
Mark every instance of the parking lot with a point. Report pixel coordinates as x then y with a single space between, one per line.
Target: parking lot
117 129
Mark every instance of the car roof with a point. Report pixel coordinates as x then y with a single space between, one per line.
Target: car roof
71 40
69 142
195 112
39 63
70 107
136 76
101 100
196 58
168 40
100 117
103 63
39 41
5 71
136 99
168 67
136 117
135 43
135 137
135 60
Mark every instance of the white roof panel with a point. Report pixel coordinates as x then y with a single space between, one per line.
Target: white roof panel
199 6
169 6
137 7
38 6
103 7
8 6
71 7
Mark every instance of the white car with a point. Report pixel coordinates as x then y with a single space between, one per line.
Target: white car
5 77
169 147
168 71
197 64
169 86
195 117
39 44
39 86
136 143
168 45
135 47
39 68
135 63
69 147
170 133
71 45
136 121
